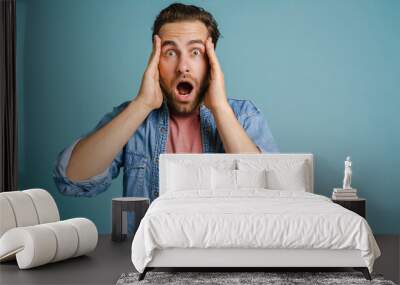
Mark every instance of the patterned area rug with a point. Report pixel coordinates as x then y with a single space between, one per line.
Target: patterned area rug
225 278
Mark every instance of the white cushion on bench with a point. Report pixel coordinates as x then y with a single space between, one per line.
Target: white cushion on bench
37 245
31 232
7 219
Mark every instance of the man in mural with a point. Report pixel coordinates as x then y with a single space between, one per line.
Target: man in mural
181 107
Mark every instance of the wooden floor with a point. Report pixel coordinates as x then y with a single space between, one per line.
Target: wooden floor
389 262
111 259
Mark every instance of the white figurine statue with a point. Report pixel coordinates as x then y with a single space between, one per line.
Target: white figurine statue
347 174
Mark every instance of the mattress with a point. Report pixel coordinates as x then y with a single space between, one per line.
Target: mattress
253 219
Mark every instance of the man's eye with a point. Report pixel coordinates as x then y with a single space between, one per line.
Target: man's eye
196 51
171 53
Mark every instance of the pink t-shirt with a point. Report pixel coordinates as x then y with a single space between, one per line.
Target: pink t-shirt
184 133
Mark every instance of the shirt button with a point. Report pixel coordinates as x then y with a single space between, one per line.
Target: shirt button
156 193
162 129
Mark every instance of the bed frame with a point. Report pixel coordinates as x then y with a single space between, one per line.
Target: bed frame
246 258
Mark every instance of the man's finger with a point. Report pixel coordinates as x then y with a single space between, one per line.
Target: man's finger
212 57
152 52
155 54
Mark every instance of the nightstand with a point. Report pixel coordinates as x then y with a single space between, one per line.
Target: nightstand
120 207
357 206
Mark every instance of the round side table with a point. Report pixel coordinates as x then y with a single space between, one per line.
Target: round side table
120 207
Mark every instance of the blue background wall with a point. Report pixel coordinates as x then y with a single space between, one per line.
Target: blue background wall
326 75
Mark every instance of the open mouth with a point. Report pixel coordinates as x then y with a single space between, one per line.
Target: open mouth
184 88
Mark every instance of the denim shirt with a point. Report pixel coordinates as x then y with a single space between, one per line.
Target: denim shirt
139 157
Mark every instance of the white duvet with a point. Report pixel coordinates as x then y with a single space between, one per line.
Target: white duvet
251 218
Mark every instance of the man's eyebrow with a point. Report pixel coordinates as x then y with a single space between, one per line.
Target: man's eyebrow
168 43
195 42
172 43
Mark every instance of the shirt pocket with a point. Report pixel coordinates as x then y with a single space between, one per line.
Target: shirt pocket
135 170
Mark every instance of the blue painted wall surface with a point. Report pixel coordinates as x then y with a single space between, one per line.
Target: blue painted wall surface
326 75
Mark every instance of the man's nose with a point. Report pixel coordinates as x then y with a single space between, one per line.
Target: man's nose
183 66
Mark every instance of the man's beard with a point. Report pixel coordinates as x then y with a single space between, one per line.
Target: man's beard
179 108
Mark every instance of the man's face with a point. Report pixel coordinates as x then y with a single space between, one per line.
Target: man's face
183 65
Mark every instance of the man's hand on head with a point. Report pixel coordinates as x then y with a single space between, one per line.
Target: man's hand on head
215 97
150 94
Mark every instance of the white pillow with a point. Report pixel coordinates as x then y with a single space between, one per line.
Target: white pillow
230 179
251 178
223 179
281 174
290 179
186 177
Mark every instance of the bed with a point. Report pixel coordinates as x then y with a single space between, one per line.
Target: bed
247 210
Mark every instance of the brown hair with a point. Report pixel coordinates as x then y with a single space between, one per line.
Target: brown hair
178 12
